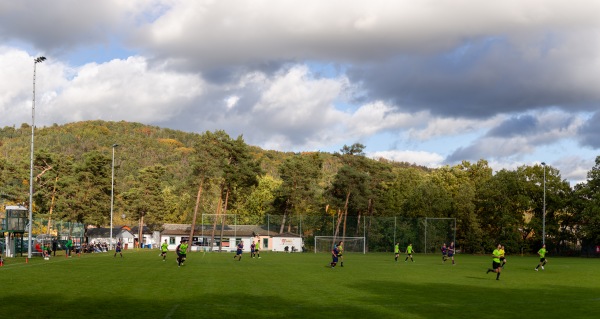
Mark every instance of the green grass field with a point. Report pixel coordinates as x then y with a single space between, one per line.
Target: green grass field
298 285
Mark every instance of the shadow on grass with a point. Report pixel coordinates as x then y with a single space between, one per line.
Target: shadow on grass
378 299
198 306
468 301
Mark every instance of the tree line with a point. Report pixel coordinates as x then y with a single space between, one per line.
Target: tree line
168 176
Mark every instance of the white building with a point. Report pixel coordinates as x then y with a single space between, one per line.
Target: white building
102 235
287 242
225 239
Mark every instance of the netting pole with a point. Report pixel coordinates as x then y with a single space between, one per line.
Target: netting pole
394 230
365 234
425 235
455 235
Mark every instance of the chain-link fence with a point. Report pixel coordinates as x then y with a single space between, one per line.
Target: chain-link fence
381 233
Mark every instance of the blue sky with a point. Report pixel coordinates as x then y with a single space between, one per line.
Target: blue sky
427 82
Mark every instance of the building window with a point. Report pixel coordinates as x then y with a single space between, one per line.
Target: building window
265 244
171 240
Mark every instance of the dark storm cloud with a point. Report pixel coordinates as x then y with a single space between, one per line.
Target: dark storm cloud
531 125
59 25
521 125
519 135
589 134
478 79
469 153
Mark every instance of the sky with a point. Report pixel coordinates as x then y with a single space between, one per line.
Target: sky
429 82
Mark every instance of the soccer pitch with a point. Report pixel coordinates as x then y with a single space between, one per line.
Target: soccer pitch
297 285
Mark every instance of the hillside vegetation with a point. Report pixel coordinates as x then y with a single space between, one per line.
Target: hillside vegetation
169 176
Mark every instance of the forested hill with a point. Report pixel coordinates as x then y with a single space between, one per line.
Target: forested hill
61 150
165 176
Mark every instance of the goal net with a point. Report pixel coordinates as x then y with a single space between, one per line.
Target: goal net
439 231
351 244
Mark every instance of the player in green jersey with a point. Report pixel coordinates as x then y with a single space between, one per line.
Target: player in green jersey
163 250
409 252
341 252
496 262
257 248
542 253
181 251
396 251
502 257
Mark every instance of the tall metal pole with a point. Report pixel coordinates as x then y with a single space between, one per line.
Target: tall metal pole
544 209
30 228
112 194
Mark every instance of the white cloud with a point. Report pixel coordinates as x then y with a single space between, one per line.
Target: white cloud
449 126
423 158
423 73
238 31
117 90
296 110
375 117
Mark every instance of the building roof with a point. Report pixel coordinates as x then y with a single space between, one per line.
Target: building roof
136 230
102 232
228 230
287 235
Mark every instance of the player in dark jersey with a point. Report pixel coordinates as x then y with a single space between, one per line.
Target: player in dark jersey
240 248
334 256
118 249
252 249
444 250
451 250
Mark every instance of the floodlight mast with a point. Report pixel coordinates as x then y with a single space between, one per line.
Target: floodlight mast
30 228
544 209
112 194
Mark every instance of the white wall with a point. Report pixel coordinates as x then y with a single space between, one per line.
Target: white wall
279 243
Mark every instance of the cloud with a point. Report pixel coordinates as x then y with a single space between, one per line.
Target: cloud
520 135
502 81
377 117
589 134
485 77
422 158
65 24
290 110
573 168
436 127
117 90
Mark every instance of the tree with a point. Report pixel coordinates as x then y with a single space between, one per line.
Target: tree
354 149
298 193
502 205
85 191
259 202
586 223
145 198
